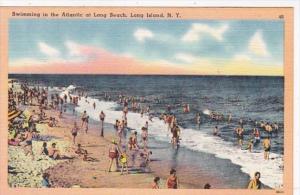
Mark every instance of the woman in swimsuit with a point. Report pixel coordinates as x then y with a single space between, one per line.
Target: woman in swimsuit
172 181
112 154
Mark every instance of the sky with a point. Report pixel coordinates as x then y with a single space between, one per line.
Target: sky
172 47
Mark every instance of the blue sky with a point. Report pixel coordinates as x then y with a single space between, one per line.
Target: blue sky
176 41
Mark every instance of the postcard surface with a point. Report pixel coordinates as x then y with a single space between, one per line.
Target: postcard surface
118 100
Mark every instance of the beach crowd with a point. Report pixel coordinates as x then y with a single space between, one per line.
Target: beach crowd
127 145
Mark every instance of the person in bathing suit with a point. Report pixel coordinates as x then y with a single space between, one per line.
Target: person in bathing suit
255 183
113 153
172 181
267 148
155 184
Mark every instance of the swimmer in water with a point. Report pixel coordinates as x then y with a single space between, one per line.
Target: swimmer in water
240 135
216 131
198 119
229 118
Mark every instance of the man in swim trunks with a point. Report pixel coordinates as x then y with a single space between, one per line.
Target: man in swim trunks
240 135
267 148
144 136
83 118
102 117
175 137
172 181
255 183
53 152
74 131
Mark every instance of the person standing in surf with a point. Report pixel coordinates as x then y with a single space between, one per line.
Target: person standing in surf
175 136
144 136
216 131
198 119
83 118
240 135
102 117
267 148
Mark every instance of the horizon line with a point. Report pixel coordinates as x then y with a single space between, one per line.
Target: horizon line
116 74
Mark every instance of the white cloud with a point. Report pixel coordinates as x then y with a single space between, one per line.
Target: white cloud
257 45
196 32
142 34
241 57
184 57
48 50
74 48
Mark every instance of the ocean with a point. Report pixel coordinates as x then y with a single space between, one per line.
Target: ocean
248 97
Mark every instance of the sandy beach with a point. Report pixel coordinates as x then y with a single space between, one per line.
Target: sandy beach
25 172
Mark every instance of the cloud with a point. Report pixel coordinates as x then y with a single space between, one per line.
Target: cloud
142 34
241 57
74 48
185 57
257 45
196 32
48 50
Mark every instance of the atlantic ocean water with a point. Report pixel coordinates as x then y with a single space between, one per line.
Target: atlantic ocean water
244 97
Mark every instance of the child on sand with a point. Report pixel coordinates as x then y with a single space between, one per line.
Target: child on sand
172 181
123 161
155 184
